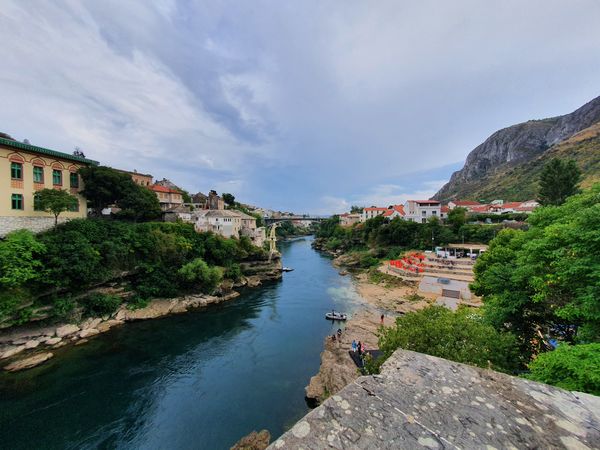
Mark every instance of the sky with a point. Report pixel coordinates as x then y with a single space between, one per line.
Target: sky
304 106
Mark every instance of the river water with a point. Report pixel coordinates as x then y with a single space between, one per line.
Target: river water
199 380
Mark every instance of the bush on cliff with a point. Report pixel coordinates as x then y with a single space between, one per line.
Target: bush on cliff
460 336
196 274
576 368
81 254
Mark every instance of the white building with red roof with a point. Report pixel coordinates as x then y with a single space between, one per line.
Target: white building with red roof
167 197
373 211
421 210
394 211
467 204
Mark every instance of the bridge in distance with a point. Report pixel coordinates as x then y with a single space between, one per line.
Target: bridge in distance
272 220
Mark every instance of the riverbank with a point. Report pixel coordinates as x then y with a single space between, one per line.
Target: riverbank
29 346
381 294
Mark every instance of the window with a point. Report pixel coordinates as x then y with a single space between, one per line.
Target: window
423 220
16 171
38 174
57 177
74 178
36 203
434 213
17 201
423 213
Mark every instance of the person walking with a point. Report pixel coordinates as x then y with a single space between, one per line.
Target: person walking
382 317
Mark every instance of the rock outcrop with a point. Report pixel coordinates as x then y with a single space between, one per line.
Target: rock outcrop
29 362
514 146
254 441
420 401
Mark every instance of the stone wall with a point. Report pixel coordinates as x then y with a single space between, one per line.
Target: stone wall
35 224
420 401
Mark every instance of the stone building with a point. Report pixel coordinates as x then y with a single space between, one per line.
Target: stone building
167 197
143 179
25 169
228 223
214 201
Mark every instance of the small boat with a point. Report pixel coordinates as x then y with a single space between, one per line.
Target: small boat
335 316
286 269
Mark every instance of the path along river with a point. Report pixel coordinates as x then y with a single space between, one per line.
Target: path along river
199 380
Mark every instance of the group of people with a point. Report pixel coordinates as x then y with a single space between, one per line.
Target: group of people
358 347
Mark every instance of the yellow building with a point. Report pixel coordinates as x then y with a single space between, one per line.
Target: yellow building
25 169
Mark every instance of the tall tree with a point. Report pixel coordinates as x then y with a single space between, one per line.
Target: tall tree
229 199
558 180
104 186
354 209
457 217
55 201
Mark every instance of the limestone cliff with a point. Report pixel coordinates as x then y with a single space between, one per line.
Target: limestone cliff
491 168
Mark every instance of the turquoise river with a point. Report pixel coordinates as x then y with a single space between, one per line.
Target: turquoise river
199 380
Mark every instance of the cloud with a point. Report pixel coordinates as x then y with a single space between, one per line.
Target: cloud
301 103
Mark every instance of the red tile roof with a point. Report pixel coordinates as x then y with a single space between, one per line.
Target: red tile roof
396 208
431 202
511 205
465 203
375 209
445 209
159 188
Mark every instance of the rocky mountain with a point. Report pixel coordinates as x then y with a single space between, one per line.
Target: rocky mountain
507 164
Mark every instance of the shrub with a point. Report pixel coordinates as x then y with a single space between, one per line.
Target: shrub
576 368
197 274
460 336
99 304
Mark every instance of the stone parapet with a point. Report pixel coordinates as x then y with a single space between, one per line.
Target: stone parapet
420 401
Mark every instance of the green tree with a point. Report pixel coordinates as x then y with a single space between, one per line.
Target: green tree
229 199
576 368
138 204
356 209
548 274
19 261
460 336
185 195
55 201
457 217
199 275
558 180
104 186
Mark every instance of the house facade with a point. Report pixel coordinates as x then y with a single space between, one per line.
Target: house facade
373 211
25 169
394 211
421 210
224 222
347 220
167 197
142 179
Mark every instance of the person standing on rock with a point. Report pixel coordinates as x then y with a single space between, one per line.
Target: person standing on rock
359 348
353 346
382 317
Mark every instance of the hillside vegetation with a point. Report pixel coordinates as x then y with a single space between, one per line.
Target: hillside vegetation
519 181
508 164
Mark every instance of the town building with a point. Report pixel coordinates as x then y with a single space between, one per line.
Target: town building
347 219
394 211
467 204
25 169
143 179
214 201
167 197
444 210
178 213
228 223
249 229
421 210
200 201
373 211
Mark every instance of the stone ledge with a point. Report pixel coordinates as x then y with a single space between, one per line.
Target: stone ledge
420 401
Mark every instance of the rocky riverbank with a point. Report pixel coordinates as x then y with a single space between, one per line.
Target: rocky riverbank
29 346
388 297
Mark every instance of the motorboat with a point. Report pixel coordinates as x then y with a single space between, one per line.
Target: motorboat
286 269
335 316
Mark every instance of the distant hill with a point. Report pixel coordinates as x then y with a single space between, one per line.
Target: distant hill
507 165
